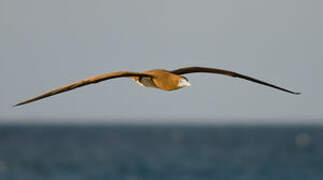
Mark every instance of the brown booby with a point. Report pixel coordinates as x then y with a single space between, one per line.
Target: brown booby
157 78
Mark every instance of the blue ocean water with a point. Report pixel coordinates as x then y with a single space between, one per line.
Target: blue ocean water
161 152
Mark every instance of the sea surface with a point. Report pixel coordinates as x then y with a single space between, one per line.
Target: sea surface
117 152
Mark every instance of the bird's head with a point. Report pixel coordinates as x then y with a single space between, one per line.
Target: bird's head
183 82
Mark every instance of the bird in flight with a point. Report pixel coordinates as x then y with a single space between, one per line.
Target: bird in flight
157 78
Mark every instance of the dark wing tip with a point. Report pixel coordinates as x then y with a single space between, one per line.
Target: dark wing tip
19 104
297 93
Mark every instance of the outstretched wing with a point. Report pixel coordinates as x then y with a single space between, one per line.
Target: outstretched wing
94 79
186 70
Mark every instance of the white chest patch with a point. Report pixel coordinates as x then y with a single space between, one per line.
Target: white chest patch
146 81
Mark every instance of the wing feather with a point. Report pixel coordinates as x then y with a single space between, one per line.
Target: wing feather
94 79
187 70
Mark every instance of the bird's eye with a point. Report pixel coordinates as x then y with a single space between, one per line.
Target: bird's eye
182 81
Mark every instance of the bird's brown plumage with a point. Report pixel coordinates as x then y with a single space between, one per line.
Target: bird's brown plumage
164 80
158 78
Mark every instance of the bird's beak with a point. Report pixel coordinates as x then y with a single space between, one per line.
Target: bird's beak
187 83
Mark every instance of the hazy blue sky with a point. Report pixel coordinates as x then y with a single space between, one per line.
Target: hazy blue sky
46 44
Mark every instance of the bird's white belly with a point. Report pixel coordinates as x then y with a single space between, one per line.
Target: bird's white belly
146 81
